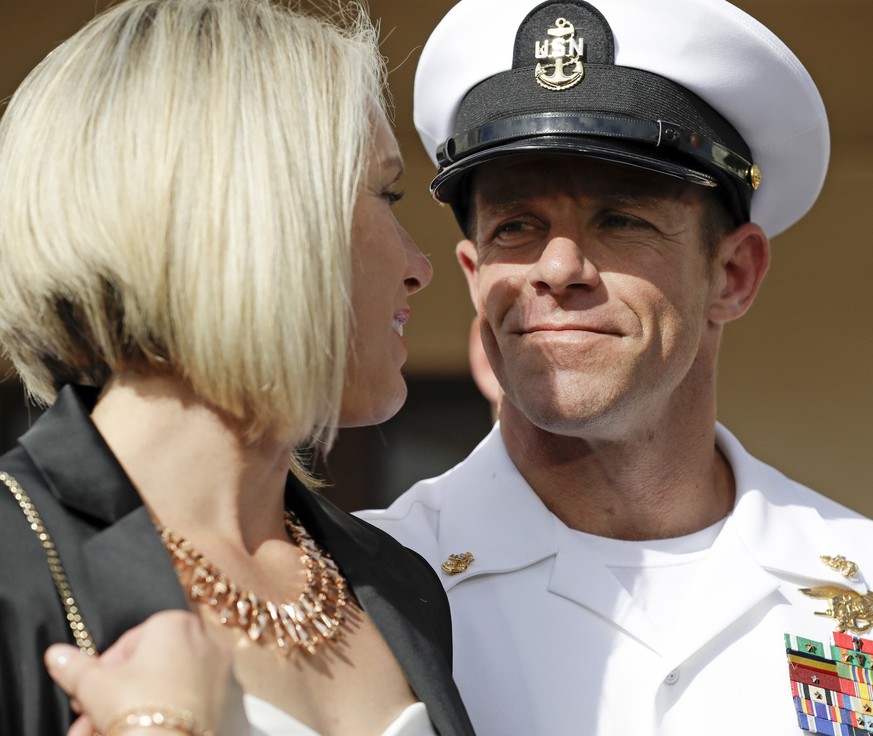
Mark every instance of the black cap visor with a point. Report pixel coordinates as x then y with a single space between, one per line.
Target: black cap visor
567 134
620 114
449 186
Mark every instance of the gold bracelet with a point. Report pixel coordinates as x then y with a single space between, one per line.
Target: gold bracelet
158 716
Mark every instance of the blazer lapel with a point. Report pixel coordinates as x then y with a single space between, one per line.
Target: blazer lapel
130 576
388 593
120 573
112 555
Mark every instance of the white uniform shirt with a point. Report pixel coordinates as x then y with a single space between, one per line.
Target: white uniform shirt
548 641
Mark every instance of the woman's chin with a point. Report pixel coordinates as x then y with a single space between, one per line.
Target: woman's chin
371 409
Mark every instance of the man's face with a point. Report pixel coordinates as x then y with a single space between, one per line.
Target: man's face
592 287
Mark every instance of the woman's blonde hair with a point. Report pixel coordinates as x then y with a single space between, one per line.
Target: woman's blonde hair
177 184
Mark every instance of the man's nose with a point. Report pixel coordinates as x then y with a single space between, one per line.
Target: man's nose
563 264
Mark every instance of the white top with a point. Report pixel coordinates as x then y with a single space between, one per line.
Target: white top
661 575
549 640
268 720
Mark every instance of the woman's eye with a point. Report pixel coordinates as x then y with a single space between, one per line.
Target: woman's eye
393 197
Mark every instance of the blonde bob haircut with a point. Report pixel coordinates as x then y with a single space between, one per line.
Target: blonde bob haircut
177 183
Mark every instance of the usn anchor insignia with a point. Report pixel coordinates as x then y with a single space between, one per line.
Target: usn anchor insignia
563 52
458 563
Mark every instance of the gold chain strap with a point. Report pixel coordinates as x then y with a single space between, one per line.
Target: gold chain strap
74 617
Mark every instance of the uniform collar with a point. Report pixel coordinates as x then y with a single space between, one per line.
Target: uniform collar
764 495
491 511
507 527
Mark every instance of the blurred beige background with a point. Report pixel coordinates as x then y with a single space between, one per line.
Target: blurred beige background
796 372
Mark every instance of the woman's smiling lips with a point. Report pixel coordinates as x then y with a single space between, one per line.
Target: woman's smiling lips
400 319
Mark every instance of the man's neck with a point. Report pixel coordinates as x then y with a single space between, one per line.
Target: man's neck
654 484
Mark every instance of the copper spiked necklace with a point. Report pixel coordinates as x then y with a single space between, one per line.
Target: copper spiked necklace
316 617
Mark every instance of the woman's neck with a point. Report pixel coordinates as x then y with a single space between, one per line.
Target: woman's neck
191 463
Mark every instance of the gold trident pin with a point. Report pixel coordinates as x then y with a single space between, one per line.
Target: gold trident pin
458 563
852 611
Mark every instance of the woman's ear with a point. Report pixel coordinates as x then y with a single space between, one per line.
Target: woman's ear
738 271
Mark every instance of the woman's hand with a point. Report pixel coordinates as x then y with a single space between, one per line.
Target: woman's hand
167 664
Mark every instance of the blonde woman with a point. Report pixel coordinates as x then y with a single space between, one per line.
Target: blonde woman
200 272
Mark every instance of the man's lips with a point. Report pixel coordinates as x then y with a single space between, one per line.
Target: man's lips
597 329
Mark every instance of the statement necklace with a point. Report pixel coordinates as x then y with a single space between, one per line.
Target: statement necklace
316 617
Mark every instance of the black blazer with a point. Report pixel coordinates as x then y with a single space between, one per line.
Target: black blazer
120 573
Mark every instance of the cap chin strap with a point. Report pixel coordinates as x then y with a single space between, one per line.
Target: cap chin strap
658 133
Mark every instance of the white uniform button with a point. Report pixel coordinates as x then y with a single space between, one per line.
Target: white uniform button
672 678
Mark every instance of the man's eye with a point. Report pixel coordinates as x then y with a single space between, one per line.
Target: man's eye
620 221
516 233
512 227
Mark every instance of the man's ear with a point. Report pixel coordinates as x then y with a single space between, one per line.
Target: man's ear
469 260
738 271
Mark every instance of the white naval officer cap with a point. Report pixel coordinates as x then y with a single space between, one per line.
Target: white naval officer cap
695 89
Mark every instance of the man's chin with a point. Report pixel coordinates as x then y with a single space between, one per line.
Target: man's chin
577 416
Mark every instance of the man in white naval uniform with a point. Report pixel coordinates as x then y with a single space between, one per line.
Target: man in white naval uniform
616 562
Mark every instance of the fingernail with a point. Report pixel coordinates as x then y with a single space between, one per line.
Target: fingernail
58 655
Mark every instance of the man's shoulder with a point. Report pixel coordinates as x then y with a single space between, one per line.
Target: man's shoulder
783 494
414 517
